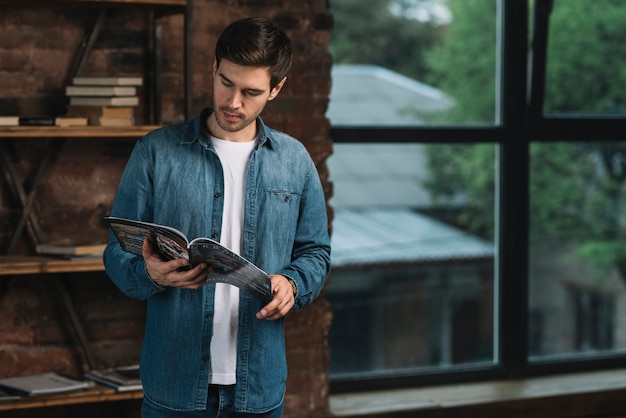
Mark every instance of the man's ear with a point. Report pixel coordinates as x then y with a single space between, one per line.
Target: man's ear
276 89
214 68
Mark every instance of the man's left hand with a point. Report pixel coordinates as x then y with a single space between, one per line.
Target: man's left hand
282 300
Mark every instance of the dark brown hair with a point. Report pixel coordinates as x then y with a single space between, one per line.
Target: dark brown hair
256 42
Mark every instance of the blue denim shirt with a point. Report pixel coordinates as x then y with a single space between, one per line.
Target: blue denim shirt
174 177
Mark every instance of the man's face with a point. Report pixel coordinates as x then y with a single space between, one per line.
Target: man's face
239 95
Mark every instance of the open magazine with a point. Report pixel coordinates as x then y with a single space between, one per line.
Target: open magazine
171 244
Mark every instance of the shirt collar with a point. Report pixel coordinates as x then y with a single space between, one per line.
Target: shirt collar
200 132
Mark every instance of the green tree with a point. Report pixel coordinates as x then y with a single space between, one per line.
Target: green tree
586 50
463 65
464 170
369 33
578 191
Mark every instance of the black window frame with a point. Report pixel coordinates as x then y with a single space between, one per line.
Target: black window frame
521 122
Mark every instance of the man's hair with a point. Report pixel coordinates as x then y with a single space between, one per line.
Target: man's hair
256 42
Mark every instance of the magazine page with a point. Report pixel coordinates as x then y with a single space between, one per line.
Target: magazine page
170 242
230 268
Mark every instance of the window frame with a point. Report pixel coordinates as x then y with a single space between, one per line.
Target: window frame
520 122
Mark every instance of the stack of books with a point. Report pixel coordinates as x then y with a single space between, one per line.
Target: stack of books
105 101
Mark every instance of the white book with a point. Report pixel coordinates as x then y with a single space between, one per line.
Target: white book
108 81
100 91
104 101
43 384
9 120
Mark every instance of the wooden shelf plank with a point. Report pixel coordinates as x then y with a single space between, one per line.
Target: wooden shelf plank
17 265
56 3
75 131
96 394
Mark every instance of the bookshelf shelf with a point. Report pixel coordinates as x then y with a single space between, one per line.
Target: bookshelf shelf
96 394
76 132
65 3
19 265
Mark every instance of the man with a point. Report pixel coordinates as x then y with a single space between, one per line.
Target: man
213 350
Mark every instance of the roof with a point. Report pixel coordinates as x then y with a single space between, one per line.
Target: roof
369 95
378 236
383 175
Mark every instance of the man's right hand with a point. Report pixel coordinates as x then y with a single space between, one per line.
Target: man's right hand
173 273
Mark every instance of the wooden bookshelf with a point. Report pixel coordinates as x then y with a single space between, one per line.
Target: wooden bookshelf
24 186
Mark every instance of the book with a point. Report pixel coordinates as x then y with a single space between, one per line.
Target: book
71 249
116 121
104 101
9 120
42 384
8 395
170 243
37 120
122 379
100 91
108 81
71 121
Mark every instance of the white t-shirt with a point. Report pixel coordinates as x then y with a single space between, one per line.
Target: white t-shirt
234 157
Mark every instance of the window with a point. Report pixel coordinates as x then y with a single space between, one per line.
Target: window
576 247
400 63
414 252
478 170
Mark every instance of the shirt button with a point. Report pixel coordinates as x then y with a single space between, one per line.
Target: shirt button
217 195
205 358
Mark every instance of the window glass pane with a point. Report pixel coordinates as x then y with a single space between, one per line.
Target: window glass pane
585 60
577 264
413 63
413 257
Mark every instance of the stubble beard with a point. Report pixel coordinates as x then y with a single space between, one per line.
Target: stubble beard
241 122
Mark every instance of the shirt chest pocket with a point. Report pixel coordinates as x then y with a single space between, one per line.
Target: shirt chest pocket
280 208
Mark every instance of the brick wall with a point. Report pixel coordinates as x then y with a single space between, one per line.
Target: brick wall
37 54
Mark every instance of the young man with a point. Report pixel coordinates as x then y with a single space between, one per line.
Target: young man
213 350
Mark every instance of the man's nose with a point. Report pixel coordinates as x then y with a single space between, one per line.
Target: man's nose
234 101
